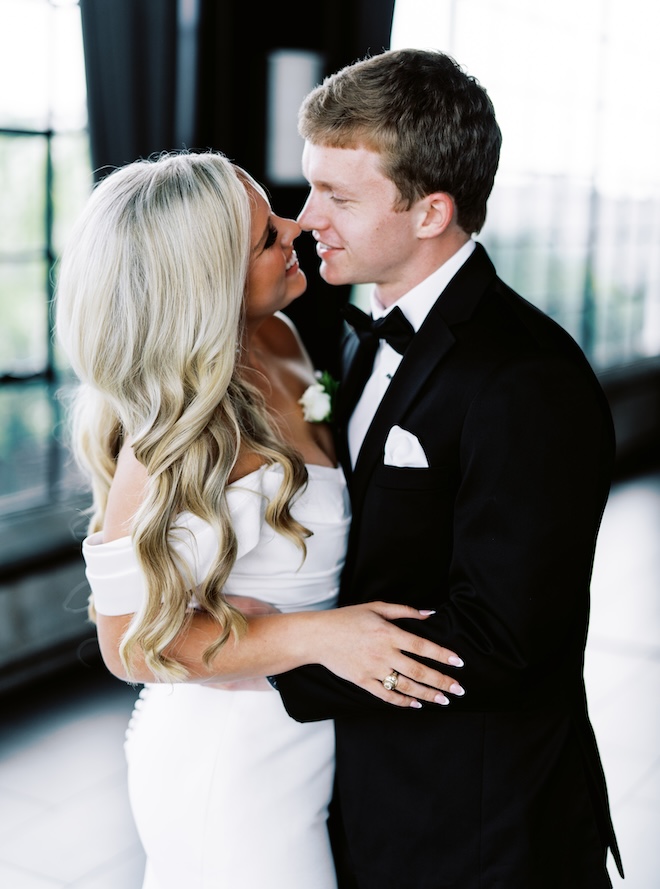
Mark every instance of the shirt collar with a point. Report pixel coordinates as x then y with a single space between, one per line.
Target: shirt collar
418 302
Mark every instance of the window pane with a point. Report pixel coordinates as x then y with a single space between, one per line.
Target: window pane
35 465
41 67
72 183
24 63
574 217
23 317
23 188
67 75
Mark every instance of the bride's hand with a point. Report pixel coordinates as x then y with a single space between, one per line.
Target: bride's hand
360 644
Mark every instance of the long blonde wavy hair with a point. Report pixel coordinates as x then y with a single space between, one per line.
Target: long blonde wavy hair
149 309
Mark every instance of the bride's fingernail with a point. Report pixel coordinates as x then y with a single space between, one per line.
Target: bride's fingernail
416 705
456 689
455 661
441 699
426 613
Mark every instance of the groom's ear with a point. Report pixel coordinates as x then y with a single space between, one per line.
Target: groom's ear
436 212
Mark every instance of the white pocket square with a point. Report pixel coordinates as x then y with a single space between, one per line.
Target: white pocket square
402 448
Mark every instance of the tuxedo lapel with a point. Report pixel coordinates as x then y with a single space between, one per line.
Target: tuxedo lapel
347 396
353 379
428 348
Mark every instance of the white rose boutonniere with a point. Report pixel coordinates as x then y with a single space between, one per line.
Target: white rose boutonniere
317 399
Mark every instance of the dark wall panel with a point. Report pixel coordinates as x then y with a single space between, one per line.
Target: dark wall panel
130 51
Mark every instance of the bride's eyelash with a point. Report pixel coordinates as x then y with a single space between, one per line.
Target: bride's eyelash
271 237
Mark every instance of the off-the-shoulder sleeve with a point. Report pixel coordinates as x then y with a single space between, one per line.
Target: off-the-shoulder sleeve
114 574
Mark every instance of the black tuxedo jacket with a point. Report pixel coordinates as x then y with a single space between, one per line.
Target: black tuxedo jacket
504 786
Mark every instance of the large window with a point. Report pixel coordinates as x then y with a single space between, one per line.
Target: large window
574 218
45 177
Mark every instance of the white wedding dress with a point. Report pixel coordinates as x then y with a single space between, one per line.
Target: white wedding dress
227 791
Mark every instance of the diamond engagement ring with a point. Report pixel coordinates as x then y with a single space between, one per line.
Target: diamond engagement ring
390 682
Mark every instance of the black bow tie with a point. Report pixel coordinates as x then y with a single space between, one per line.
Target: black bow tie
393 327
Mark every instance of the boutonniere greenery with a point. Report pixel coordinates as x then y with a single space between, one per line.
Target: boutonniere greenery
318 399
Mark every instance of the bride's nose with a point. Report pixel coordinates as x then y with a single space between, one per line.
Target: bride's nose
290 231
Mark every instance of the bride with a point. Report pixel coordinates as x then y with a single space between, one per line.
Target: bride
220 523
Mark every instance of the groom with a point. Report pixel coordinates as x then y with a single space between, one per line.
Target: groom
478 447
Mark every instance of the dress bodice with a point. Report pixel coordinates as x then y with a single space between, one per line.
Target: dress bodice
269 566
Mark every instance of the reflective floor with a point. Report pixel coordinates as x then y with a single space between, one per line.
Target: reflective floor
64 815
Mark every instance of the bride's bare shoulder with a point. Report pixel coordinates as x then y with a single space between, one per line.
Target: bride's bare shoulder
126 495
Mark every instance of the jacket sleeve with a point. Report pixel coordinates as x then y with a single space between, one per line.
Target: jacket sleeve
536 455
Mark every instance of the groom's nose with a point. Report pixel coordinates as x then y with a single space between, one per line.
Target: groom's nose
308 218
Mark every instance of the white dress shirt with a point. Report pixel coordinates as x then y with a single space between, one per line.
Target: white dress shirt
415 305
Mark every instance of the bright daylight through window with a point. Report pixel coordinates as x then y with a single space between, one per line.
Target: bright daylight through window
574 218
46 176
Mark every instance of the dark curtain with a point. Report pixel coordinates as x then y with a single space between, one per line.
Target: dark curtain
140 86
130 63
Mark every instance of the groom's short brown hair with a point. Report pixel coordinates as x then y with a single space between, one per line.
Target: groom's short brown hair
433 125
